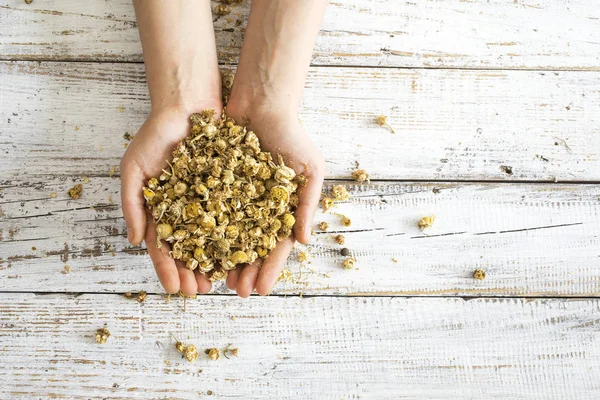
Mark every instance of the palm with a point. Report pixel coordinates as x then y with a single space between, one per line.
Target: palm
146 156
286 137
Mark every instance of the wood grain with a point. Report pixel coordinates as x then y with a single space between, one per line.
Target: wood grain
69 119
524 34
532 239
325 348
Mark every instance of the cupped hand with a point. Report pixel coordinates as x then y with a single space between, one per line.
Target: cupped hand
145 158
280 133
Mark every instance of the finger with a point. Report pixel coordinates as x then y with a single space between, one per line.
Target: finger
164 265
204 284
272 266
187 279
247 279
232 278
308 197
132 202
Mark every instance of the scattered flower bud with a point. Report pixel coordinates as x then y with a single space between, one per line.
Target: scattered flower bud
102 335
479 274
360 175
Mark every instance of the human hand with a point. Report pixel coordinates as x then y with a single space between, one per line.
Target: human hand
145 158
280 133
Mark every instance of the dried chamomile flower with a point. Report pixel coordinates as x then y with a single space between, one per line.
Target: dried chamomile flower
340 239
360 175
221 201
141 297
479 274
349 263
128 295
286 276
222 9
179 345
302 257
326 203
213 353
323 226
190 353
345 220
102 335
382 121
340 193
229 350
76 191
426 222
53 195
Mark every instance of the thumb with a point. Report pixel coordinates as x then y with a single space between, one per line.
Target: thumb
308 197
132 202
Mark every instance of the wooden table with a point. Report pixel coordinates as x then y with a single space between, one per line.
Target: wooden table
470 87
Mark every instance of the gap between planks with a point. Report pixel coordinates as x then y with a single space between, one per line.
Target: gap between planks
313 65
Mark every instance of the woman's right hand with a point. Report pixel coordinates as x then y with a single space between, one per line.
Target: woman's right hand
145 158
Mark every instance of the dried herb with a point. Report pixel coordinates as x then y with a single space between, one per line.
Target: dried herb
345 220
76 191
340 193
190 353
286 276
141 297
349 263
506 169
479 274
222 9
102 335
213 353
222 201
382 121
326 203
302 257
426 222
360 175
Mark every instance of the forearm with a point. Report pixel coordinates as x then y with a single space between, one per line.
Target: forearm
276 53
179 52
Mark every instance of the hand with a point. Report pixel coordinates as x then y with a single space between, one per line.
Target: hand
145 158
280 133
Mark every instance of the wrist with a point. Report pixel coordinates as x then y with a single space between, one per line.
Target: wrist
253 109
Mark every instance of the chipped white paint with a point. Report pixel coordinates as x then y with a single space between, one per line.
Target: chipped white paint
312 348
467 34
532 239
69 118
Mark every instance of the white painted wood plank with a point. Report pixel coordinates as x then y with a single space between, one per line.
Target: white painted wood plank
532 239
468 34
321 348
69 118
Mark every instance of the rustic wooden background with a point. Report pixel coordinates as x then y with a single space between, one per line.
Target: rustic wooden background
469 86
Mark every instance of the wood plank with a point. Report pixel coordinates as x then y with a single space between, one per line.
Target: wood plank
529 34
532 239
326 348
69 118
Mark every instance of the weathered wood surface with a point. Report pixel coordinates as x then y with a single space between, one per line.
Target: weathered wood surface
69 118
321 348
528 34
532 239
